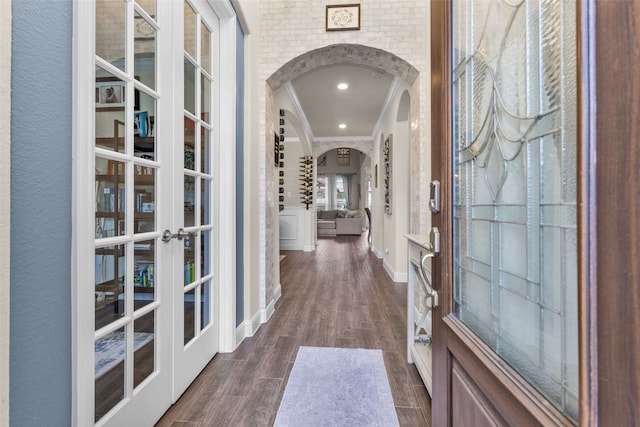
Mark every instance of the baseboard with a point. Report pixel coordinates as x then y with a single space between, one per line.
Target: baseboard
399 277
377 252
309 248
265 314
248 328
241 334
290 246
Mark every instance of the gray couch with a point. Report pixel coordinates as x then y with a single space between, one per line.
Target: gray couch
339 222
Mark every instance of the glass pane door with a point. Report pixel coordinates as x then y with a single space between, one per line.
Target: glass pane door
197 175
514 186
126 225
196 289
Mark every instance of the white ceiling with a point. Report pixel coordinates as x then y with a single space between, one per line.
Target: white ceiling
322 106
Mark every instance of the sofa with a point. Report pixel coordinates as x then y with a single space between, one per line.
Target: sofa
339 222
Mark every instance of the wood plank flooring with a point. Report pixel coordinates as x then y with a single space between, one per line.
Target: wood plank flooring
337 296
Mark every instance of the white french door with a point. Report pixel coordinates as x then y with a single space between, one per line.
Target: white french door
195 280
151 320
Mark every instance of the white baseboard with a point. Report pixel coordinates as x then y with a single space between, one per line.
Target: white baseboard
241 334
399 277
290 245
309 248
265 313
248 328
376 252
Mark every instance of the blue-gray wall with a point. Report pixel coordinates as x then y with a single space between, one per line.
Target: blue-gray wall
40 347
239 176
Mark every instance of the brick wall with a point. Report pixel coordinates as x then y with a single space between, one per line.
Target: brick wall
291 28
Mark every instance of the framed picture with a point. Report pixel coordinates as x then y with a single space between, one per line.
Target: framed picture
110 93
340 17
142 30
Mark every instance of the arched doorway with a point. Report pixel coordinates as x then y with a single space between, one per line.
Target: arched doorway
403 73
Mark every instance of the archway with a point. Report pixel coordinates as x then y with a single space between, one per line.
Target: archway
329 55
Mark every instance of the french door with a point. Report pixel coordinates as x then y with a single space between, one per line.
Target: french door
155 296
505 132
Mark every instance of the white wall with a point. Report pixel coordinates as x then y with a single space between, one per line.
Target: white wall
280 31
253 247
5 206
388 230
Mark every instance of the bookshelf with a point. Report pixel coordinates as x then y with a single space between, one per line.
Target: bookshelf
111 205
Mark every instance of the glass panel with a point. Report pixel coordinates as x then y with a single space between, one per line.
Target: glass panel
144 51
110 264
189 201
149 6
110 198
205 253
110 31
205 109
205 151
189 144
145 199
143 121
206 304
110 119
190 30
189 259
514 168
189 316
205 201
143 347
189 87
143 273
205 48
109 353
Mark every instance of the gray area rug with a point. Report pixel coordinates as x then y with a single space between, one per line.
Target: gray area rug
110 349
337 387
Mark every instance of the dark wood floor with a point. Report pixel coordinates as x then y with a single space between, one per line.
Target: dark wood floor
337 296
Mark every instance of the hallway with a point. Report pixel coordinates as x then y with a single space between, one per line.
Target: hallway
337 296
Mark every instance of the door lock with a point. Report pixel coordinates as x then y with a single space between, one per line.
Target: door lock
434 196
167 235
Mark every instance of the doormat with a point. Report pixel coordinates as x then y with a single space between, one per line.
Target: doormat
337 387
110 349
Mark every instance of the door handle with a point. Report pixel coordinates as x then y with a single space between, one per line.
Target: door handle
433 250
167 235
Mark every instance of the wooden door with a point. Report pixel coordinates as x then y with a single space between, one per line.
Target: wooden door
523 334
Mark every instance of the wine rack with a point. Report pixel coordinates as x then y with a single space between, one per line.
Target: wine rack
306 180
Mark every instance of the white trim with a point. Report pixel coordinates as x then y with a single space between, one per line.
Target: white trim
266 313
227 174
398 277
248 328
378 253
299 111
309 248
5 207
82 249
365 138
255 324
393 90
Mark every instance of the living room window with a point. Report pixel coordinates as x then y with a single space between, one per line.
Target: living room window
333 192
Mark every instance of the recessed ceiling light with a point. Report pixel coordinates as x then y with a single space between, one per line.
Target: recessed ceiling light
342 126
343 86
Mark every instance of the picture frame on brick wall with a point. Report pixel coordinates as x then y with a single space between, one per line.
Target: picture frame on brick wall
341 17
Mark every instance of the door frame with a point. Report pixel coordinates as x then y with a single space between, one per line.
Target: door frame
5 208
82 249
497 377
609 227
